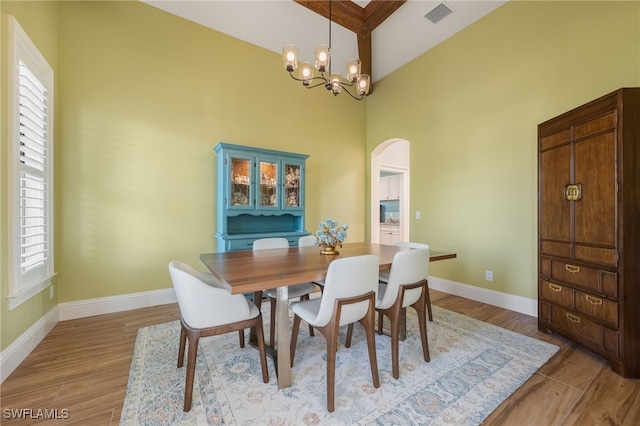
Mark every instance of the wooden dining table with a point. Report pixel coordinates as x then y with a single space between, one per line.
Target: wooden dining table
251 271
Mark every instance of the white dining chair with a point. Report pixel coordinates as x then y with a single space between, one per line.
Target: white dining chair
208 309
384 274
297 290
349 296
308 241
407 286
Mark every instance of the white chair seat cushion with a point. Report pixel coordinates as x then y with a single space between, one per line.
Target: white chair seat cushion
294 290
307 310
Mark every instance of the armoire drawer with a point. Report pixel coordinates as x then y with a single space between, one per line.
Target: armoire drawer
590 278
598 307
576 324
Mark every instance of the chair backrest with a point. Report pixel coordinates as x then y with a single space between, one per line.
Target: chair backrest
307 240
270 243
411 245
407 267
348 277
203 305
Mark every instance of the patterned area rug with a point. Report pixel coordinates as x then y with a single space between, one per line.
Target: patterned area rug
474 367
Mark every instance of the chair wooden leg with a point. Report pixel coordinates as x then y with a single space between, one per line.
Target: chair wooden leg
380 322
394 318
428 299
193 337
369 328
272 326
349 335
262 350
419 306
183 341
306 297
294 337
332 348
241 338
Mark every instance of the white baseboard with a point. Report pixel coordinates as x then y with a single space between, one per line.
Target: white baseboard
491 297
19 349
107 305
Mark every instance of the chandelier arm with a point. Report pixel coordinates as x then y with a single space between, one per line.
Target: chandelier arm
323 78
351 94
322 83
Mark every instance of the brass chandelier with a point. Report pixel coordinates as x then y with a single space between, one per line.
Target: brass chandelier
321 75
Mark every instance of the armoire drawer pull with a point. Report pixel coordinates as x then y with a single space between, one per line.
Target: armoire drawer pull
572 268
555 287
573 318
593 300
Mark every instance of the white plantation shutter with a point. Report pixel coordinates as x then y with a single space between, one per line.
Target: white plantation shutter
34 208
30 137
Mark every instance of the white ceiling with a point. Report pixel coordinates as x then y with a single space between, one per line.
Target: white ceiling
405 35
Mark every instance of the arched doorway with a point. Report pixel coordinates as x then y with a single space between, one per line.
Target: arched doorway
390 163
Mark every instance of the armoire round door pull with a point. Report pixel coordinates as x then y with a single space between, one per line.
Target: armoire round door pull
572 268
573 318
555 287
593 300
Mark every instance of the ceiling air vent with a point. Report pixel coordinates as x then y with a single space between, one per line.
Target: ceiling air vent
438 13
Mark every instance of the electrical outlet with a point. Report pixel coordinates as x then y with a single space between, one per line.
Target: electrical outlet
488 275
417 214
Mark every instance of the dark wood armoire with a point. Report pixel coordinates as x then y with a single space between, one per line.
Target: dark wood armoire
589 227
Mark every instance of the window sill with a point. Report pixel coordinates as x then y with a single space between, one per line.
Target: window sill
16 300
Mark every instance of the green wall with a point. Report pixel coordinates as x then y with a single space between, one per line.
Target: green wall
472 123
146 96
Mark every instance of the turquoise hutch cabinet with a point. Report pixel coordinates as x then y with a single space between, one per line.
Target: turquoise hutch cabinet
259 194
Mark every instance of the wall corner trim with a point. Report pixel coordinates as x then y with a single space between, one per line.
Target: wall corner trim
19 349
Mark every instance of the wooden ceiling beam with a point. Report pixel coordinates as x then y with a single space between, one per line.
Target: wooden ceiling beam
377 11
343 12
361 21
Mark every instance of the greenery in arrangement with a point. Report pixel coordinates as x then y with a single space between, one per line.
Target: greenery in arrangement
330 235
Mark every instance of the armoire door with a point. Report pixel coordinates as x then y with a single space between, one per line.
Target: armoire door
595 214
555 219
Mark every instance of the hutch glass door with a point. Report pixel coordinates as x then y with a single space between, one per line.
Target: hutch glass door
268 175
240 194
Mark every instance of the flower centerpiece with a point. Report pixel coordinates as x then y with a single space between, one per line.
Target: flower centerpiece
330 236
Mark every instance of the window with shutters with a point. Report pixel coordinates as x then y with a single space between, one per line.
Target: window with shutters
30 126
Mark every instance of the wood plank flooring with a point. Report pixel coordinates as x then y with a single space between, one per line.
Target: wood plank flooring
83 366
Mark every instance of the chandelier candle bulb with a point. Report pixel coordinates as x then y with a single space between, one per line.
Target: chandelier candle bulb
323 57
353 70
290 55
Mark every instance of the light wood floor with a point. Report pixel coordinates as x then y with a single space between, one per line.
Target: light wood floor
83 366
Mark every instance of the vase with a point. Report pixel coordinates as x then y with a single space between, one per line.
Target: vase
329 250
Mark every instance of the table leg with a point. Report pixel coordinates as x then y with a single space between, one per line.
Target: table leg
284 337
